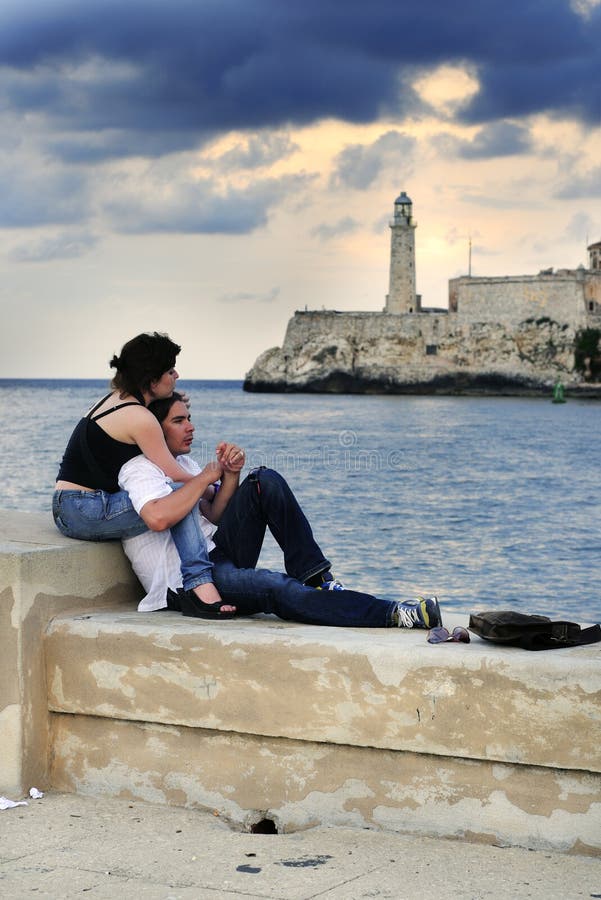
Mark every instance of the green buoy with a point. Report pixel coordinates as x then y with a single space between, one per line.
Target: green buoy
558 393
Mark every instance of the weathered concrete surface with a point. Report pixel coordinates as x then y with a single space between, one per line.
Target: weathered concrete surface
383 688
41 574
361 727
66 845
303 784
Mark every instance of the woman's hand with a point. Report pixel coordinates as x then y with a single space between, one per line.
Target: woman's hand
231 457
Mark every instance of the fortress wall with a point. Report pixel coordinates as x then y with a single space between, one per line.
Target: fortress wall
333 327
424 343
511 300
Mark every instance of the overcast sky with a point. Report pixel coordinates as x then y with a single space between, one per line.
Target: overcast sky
206 168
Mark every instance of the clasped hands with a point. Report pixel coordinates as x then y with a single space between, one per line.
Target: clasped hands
230 459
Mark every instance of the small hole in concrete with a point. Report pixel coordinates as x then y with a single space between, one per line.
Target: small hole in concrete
265 826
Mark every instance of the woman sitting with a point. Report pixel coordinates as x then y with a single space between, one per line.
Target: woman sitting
87 502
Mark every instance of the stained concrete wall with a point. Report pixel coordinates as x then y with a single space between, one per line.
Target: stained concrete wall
301 784
305 725
382 688
42 574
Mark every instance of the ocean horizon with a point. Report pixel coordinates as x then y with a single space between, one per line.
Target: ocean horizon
100 382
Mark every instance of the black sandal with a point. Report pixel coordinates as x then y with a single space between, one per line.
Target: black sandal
190 605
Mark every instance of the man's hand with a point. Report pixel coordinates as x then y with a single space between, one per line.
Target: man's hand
231 457
214 469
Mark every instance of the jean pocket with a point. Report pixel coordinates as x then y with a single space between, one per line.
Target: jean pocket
117 505
87 504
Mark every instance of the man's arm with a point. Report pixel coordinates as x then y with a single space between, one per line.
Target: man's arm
164 512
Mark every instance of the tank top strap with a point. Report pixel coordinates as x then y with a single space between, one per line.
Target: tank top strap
107 412
98 405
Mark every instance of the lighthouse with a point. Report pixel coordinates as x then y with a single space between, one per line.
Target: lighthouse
401 297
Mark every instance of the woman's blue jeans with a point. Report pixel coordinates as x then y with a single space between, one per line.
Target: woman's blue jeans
100 516
264 500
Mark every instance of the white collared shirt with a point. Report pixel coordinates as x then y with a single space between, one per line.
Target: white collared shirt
153 554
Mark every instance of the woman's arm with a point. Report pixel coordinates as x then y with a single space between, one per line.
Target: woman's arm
147 433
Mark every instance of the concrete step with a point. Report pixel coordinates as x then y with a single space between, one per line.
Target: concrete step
384 688
306 725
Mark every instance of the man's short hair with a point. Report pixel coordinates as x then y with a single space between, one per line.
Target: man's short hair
160 408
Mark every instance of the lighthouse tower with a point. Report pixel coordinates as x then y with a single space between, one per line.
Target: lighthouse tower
401 297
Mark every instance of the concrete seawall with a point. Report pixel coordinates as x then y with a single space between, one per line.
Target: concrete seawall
304 726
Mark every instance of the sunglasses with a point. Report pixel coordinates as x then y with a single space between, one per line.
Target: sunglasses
441 635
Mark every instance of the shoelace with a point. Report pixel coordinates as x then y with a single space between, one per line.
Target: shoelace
334 585
407 617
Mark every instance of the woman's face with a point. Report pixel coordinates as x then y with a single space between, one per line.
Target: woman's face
165 386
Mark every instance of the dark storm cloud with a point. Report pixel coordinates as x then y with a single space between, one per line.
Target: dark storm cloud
146 69
110 144
260 150
495 139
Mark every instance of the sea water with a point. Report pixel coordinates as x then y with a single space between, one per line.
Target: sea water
487 502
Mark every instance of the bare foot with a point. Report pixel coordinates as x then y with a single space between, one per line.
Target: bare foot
208 593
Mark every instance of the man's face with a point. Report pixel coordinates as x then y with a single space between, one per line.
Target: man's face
178 429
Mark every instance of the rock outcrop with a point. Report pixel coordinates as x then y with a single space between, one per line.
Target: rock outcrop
415 353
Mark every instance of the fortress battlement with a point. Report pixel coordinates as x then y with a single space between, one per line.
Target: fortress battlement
500 334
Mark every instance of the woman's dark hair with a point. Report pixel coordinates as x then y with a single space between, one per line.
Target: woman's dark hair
160 408
143 359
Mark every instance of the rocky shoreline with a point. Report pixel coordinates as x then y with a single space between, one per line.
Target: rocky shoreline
459 384
365 353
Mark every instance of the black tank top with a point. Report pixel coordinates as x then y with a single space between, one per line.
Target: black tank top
92 457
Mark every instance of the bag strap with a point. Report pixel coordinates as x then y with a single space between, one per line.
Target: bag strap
562 634
591 635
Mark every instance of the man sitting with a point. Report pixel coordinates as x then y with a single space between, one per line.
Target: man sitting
241 513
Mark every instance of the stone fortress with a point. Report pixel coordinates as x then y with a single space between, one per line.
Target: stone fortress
500 335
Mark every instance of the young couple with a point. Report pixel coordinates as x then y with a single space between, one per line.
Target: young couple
194 536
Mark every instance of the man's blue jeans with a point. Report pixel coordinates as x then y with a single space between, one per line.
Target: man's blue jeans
263 500
100 516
